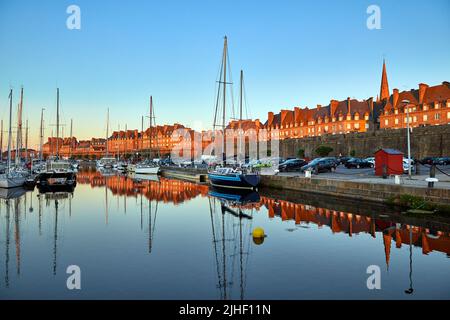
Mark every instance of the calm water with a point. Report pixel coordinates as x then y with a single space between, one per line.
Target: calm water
169 239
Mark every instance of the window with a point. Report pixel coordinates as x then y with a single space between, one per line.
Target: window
396 111
386 122
396 120
415 119
425 117
437 116
356 125
349 126
448 115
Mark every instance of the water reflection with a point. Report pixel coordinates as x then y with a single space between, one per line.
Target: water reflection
231 219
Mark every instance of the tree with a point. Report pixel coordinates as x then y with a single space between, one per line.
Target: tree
352 153
324 151
301 153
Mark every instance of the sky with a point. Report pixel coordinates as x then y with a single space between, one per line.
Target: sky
293 53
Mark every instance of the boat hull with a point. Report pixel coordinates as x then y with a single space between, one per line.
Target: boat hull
146 170
11 182
234 180
56 179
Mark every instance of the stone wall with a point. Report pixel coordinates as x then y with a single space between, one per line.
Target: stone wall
425 141
359 191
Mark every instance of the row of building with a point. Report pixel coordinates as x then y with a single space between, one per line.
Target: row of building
428 105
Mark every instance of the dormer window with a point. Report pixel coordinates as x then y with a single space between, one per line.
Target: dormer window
349 116
436 105
425 107
356 116
396 111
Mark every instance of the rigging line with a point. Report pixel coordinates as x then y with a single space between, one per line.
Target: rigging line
231 84
247 107
217 96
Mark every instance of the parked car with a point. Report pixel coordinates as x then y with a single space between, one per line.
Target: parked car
405 159
343 160
333 159
358 163
429 160
406 166
321 164
371 160
292 165
443 161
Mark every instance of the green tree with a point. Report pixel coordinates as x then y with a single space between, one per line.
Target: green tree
352 153
324 151
301 153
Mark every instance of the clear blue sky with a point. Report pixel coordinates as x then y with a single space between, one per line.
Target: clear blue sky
294 53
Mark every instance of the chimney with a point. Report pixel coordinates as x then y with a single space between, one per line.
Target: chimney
270 118
395 97
370 101
348 106
422 88
283 115
333 107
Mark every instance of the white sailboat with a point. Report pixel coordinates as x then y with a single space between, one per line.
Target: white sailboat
11 178
148 166
57 173
107 162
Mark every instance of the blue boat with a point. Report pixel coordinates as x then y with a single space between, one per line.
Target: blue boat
232 178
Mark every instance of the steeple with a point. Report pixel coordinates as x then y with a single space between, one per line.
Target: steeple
384 89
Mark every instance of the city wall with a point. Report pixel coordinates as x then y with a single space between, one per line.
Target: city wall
425 141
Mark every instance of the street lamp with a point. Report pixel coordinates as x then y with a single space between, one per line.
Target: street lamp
407 103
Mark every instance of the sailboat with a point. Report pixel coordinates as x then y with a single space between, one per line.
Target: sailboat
11 178
227 177
58 173
148 166
107 162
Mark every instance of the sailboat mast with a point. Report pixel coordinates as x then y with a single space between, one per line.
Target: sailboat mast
240 98
26 141
41 142
225 50
19 129
240 113
107 131
71 141
57 122
150 137
9 130
142 130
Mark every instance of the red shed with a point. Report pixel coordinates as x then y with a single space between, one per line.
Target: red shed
391 158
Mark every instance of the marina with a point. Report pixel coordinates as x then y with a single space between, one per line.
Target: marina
137 239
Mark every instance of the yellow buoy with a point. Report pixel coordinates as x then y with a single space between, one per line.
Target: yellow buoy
258 233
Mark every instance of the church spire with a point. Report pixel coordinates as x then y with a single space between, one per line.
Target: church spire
384 89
